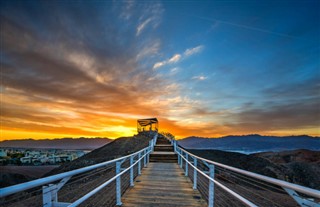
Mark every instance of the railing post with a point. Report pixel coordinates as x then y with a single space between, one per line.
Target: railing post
211 186
195 173
186 172
131 171
148 154
181 159
139 163
145 158
118 184
50 193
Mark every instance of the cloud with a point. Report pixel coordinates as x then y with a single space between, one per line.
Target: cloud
127 9
151 15
174 59
53 81
149 49
177 57
159 64
199 78
142 26
279 117
192 51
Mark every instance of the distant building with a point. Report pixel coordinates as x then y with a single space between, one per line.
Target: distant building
26 160
3 153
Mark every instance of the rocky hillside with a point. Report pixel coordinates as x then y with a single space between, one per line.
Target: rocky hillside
302 166
298 166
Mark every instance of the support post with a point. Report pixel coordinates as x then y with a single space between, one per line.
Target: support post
145 158
131 171
195 173
186 170
118 184
139 163
301 201
50 193
211 186
181 159
148 154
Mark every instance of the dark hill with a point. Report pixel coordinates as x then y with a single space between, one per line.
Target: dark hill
299 166
302 166
119 147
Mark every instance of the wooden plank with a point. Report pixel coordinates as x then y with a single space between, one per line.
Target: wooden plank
162 184
162 153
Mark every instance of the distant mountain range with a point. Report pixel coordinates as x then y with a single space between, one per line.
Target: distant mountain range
63 143
252 143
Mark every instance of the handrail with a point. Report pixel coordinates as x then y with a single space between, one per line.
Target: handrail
42 181
281 183
242 199
91 193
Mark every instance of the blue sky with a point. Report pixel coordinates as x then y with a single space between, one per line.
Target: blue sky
207 68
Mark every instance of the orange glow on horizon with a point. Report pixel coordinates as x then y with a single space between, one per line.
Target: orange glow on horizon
130 130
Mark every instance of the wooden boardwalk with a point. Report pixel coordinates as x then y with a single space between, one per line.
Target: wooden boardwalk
162 184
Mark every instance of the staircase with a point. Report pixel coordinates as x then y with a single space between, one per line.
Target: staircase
163 151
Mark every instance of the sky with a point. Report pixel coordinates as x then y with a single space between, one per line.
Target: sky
203 68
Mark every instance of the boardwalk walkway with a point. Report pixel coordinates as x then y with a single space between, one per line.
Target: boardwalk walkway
162 183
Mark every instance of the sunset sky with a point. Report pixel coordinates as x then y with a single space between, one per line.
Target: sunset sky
204 68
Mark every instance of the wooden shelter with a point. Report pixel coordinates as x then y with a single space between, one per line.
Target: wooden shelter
150 124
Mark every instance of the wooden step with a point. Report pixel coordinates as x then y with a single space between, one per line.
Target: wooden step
163 148
162 142
164 161
162 156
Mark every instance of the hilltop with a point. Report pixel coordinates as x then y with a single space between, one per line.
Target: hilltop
63 143
252 143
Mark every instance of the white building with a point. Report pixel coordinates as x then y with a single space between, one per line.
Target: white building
3 153
26 160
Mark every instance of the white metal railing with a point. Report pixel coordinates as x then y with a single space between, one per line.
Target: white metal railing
193 161
50 191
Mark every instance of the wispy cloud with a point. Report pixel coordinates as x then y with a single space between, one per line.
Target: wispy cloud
149 49
199 78
126 10
192 51
151 16
177 57
174 59
142 26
